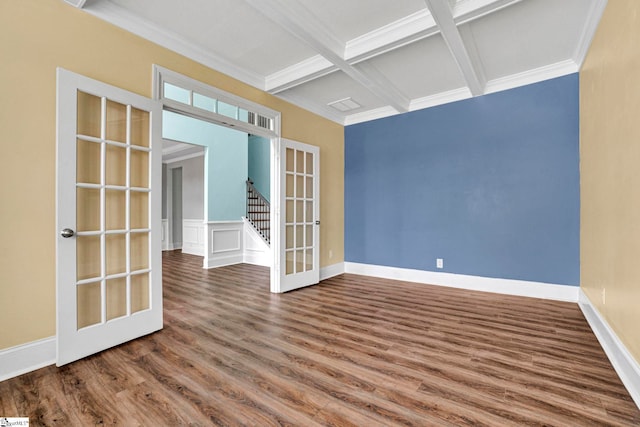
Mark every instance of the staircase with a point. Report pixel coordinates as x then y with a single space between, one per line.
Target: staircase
258 212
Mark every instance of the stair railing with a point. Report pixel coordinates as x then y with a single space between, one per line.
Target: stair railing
258 212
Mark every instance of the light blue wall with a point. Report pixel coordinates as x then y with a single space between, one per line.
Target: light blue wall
259 164
489 184
225 163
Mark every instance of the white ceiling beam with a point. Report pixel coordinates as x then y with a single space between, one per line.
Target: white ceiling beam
467 10
443 15
302 24
297 74
409 29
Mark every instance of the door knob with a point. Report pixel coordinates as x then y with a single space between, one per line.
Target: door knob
67 232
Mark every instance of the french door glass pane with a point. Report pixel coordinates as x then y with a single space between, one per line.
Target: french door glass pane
88 162
110 172
139 127
139 292
87 209
289 160
289 262
89 115
89 304
116 165
139 169
116 251
115 209
116 297
88 264
139 210
139 251
116 125
299 214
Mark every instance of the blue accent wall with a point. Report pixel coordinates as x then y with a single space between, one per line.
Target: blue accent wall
489 184
260 164
226 169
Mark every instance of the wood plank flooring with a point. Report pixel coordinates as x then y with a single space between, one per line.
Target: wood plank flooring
352 351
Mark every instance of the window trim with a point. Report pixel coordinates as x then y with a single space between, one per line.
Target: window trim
162 75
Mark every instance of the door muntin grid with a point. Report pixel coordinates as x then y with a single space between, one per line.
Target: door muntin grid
299 211
113 148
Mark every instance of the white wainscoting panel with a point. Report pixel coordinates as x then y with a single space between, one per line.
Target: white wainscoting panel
626 366
474 283
28 357
165 235
193 236
256 251
224 243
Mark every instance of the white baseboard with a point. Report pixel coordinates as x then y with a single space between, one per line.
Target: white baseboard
474 283
222 261
28 357
626 366
256 258
331 270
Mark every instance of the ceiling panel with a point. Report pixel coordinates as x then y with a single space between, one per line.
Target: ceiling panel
420 69
232 29
333 87
350 19
527 35
288 46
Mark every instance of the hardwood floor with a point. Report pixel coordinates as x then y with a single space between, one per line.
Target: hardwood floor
353 350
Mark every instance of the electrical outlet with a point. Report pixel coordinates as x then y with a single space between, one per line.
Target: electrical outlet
604 296
330 254
439 263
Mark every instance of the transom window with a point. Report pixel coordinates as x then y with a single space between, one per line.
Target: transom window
183 94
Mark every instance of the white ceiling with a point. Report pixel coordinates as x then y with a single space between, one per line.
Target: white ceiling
389 56
175 151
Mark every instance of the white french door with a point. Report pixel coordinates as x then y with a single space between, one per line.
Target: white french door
299 240
108 217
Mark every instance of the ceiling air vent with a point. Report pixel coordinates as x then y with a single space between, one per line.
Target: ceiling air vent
343 105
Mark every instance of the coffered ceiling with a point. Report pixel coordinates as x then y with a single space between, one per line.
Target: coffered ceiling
358 60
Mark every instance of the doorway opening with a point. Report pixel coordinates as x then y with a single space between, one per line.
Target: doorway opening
208 211
182 196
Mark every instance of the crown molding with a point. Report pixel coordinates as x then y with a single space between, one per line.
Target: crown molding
297 20
589 31
126 20
536 75
181 158
366 116
76 3
177 148
441 98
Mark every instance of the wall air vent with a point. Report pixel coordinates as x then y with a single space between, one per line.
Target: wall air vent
343 105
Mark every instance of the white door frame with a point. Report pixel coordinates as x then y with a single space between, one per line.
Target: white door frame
160 74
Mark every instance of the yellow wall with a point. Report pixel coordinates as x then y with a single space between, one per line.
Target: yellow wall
36 36
610 171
